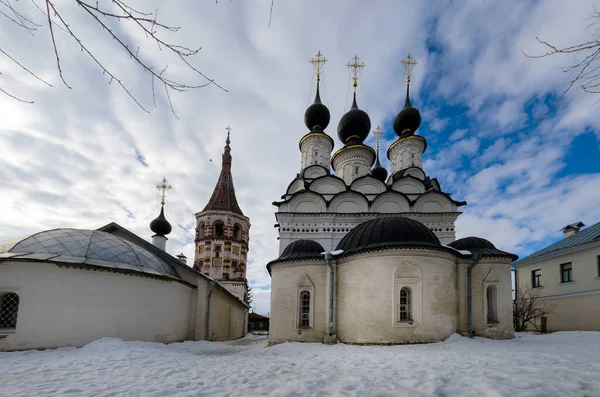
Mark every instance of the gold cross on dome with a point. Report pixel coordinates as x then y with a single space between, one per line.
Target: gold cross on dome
163 186
378 134
408 62
356 66
317 61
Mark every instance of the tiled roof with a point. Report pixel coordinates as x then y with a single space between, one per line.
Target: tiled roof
223 197
592 233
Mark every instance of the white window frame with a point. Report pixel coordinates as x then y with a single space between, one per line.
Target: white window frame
305 285
407 276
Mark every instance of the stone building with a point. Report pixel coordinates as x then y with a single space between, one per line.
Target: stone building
398 275
222 234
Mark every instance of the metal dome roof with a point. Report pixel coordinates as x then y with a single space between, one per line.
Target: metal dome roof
388 232
298 250
91 247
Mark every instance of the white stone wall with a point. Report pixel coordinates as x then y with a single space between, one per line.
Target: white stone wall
72 307
316 149
488 272
366 297
287 279
406 153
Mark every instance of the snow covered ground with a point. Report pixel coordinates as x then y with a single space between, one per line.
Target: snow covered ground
560 364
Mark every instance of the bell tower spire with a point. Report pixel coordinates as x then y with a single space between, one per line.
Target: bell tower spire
222 233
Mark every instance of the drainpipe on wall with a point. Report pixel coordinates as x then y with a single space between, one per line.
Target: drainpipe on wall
328 257
476 258
210 291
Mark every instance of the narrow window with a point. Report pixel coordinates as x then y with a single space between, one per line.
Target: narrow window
412 159
355 170
9 308
237 232
404 312
566 272
316 157
304 309
536 278
201 230
492 304
219 229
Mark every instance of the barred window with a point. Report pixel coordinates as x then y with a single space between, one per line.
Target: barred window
9 308
404 312
305 309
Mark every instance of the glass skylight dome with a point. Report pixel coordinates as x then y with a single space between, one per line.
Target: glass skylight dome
90 247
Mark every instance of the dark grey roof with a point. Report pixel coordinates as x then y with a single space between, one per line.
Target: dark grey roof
86 247
592 233
481 246
298 250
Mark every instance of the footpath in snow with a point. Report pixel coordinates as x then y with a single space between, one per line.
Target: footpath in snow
559 364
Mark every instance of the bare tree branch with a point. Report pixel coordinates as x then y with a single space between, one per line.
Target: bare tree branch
24 68
528 307
14 97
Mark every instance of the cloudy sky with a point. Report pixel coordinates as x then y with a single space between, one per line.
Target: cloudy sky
86 156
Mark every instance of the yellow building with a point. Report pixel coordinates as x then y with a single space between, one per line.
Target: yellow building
567 275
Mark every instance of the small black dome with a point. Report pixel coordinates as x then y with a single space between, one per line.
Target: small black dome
378 172
160 225
480 246
471 242
354 126
301 249
317 115
408 120
388 232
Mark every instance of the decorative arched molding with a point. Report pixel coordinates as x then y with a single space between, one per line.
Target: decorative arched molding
328 185
433 201
408 271
305 282
409 185
296 186
307 202
416 172
314 171
390 203
408 277
368 185
349 203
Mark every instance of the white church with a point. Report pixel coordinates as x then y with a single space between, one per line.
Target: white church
394 272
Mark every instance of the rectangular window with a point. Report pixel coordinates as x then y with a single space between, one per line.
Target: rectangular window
304 309
9 308
355 170
217 248
236 250
536 278
566 272
404 307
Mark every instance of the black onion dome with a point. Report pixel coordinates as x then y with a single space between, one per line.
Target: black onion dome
317 115
388 232
354 126
160 225
378 172
481 246
408 120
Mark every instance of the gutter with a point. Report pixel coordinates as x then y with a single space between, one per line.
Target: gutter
476 258
210 291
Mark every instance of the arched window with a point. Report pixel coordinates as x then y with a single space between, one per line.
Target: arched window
218 229
237 232
304 309
492 304
9 309
201 230
404 306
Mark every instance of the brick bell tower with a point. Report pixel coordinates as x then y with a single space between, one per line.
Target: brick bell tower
222 234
